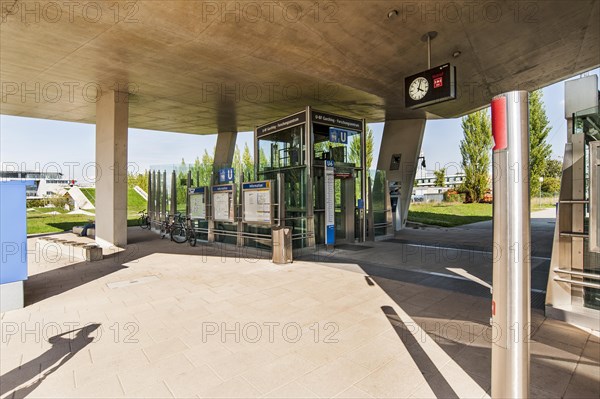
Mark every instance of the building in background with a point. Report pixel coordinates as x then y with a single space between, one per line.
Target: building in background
425 189
45 184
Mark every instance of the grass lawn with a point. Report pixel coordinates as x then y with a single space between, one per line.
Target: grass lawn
38 220
449 214
455 214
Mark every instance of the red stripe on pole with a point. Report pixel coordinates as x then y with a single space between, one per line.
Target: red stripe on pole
499 123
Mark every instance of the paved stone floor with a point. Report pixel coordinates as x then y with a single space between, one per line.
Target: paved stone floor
168 320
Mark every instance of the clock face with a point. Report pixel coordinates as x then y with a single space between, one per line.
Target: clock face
418 88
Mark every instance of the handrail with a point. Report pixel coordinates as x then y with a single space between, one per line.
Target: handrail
578 273
575 282
573 234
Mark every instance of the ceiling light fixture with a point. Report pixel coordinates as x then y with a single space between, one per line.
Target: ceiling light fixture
392 14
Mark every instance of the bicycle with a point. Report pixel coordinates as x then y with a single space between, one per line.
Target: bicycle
167 226
144 220
184 232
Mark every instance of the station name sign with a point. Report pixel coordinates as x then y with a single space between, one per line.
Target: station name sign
256 185
281 124
224 187
196 190
433 86
336 120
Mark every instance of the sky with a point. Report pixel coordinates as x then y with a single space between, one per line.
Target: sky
39 144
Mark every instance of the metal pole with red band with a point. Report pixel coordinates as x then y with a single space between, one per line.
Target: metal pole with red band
511 298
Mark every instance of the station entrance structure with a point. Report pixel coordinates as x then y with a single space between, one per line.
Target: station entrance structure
310 176
573 291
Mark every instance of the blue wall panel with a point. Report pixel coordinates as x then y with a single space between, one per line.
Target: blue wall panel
13 232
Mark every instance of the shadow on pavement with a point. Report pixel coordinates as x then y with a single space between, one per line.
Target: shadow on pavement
61 351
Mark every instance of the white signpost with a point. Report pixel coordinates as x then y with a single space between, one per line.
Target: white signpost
329 203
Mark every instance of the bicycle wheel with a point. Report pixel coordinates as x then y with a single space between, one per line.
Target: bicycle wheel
192 238
179 235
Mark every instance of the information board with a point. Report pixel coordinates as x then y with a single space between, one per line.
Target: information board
223 203
198 203
329 203
257 206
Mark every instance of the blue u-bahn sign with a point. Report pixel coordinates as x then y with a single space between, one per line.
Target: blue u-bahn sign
226 175
337 135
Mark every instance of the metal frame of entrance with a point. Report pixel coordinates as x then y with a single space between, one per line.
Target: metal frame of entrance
306 119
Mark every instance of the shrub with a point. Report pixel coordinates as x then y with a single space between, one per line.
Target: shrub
453 196
36 203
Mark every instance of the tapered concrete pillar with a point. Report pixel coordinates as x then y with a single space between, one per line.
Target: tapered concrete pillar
224 149
112 114
399 156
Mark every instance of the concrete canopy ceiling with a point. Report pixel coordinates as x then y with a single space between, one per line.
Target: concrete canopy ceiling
207 66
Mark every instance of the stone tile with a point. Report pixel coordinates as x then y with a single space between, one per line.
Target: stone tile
193 383
156 390
293 390
555 331
237 363
550 375
134 379
206 353
164 349
377 352
584 387
368 357
333 378
278 372
108 386
234 388
384 382
353 393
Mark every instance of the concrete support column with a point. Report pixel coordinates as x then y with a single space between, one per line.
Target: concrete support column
224 149
399 156
112 113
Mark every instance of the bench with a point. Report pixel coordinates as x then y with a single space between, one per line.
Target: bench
88 252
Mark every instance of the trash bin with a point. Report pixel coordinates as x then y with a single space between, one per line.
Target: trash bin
282 245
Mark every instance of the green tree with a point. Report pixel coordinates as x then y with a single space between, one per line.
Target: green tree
181 188
354 155
540 149
551 185
247 164
553 169
139 179
440 177
195 168
236 164
475 150
206 169
263 160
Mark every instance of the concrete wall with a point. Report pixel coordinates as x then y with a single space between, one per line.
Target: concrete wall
403 139
112 112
